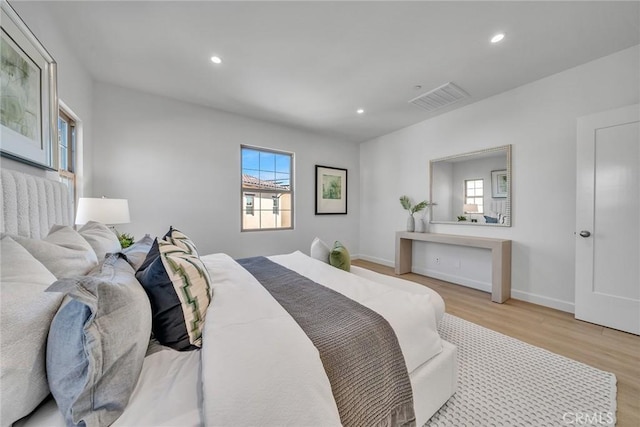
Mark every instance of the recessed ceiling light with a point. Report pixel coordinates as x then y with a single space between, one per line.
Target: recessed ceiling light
498 37
360 111
216 60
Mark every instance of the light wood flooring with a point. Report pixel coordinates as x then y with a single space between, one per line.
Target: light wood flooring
556 331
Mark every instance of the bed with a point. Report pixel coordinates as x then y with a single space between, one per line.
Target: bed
253 363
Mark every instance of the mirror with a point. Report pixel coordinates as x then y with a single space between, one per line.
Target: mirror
472 188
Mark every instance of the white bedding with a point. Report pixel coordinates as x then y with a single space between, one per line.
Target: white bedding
168 393
259 368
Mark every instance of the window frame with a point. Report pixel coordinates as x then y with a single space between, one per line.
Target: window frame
71 141
68 174
256 192
467 197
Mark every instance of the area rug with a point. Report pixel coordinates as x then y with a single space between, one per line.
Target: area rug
506 382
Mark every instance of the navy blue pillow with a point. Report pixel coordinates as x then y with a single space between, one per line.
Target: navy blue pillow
179 289
490 220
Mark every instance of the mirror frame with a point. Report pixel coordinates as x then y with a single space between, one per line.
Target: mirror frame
508 213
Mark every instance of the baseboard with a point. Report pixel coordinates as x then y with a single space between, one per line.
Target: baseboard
485 287
464 281
380 261
567 306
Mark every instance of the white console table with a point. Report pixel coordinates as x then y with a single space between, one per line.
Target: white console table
500 256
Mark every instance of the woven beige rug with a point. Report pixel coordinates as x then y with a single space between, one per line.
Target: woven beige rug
506 382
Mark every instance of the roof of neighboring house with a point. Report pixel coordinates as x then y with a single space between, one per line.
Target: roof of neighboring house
249 181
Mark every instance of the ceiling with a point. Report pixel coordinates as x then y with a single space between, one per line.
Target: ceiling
311 65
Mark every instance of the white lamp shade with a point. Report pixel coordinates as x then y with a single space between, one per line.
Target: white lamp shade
106 211
470 208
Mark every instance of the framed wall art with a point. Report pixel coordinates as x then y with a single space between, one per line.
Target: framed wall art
28 95
499 184
331 190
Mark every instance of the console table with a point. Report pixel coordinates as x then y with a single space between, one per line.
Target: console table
500 256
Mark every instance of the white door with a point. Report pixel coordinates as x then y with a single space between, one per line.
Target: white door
608 219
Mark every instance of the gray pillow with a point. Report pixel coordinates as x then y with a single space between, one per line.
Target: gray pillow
64 251
26 311
101 238
97 343
137 252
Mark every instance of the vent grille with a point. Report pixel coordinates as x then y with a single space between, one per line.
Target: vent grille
443 96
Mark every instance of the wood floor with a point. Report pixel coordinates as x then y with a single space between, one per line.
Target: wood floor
556 331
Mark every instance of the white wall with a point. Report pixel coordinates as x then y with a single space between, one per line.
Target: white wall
539 120
179 164
74 86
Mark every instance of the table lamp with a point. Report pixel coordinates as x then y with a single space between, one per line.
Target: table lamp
106 211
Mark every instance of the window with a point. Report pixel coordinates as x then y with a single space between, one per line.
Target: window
267 189
67 151
474 193
249 203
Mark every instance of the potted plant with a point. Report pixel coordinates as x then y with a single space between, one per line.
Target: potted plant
126 240
406 204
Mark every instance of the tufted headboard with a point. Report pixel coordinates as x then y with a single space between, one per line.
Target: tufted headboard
31 204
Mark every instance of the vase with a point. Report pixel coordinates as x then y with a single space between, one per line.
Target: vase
425 220
411 223
419 225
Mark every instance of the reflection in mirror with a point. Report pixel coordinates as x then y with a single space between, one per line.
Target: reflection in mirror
472 188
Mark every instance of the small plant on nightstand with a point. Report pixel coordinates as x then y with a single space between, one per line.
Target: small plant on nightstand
126 240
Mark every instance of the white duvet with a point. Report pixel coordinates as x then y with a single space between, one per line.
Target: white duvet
259 367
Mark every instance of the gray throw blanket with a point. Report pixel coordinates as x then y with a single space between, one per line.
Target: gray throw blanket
357 346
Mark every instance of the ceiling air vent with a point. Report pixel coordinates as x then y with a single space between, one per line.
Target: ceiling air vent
443 96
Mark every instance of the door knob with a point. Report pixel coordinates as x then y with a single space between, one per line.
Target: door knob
585 233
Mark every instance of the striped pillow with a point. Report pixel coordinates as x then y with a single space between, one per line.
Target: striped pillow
179 288
178 238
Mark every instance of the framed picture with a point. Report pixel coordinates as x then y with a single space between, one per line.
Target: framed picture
331 190
499 184
28 99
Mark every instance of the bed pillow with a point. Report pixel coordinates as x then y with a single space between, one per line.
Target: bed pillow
101 238
97 343
137 253
179 288
64 251
26 311
320 250
490 220
178 238
339 257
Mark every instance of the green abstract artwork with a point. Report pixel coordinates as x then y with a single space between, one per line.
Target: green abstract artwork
20 94
331 187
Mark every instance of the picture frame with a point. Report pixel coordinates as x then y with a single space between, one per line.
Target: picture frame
331 190
499 184
29 98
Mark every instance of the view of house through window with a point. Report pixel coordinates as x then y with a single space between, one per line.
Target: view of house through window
67 151
267 189
474 193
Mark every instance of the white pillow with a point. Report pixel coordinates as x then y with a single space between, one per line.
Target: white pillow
64 252
320 250
101 238
26 311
